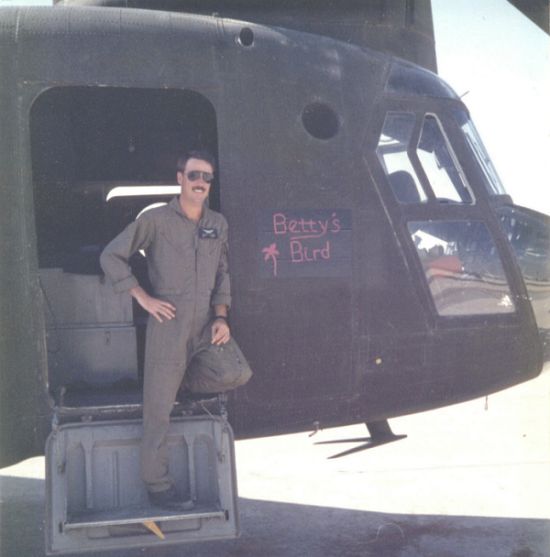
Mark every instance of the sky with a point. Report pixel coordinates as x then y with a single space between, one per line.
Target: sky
500 61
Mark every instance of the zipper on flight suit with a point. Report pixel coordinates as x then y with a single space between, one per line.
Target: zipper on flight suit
196 246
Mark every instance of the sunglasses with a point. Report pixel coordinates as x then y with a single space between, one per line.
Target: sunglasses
194 175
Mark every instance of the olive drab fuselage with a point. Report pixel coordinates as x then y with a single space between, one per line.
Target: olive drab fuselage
356 295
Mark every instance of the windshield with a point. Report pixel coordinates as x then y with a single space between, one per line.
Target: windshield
492 181
396 148
462 267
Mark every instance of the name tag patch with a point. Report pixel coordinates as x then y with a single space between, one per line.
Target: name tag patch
208 233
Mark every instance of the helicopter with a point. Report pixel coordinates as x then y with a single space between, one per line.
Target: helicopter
378 266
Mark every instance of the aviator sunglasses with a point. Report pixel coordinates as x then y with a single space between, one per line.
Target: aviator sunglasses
194 175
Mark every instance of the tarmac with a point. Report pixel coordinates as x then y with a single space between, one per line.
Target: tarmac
470 480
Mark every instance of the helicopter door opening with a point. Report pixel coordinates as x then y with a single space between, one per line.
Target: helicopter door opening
100 157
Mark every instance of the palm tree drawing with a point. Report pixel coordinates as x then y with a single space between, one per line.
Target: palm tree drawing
271 252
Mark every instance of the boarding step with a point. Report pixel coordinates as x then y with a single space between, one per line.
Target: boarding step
96 499
138 515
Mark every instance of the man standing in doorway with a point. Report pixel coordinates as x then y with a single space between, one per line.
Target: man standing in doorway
188 337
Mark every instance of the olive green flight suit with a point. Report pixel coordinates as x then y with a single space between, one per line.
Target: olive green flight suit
188 267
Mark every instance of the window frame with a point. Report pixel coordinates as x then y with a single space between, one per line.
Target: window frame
452 153
400 214
507 290
422 177
413 139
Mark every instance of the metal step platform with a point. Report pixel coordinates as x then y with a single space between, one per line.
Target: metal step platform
97 501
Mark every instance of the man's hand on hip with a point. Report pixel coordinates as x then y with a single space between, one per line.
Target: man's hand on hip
159 309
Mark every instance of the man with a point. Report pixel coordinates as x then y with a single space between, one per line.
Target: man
188 336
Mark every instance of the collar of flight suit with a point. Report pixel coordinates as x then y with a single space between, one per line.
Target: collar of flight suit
174 204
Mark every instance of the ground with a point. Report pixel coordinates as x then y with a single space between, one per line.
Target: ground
471 480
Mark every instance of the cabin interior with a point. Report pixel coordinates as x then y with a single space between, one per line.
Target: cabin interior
100 156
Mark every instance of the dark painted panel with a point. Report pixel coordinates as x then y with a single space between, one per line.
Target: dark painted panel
305 243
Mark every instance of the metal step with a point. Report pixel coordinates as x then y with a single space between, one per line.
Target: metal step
96 499
138 515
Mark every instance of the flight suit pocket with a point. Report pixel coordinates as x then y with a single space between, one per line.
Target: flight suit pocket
210 247
183 243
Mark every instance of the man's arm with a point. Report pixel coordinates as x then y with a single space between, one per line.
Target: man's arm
115 264
221 297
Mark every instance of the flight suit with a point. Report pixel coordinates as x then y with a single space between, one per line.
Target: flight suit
188 267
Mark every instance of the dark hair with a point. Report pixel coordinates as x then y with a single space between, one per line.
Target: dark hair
198 154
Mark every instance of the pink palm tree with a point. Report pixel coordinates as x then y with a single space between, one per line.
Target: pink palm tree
271 252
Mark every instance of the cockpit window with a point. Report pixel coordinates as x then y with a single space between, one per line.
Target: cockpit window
392 153
440 165
446 181
462 267
492 181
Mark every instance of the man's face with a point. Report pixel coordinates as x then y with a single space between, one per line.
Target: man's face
194 189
